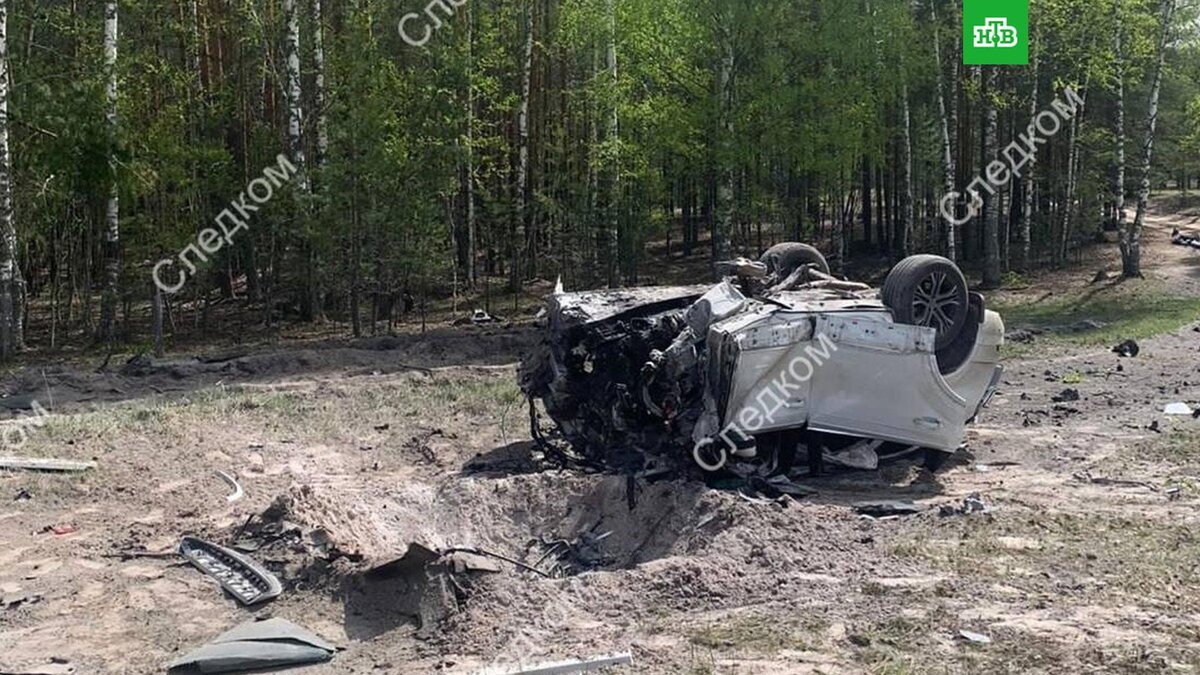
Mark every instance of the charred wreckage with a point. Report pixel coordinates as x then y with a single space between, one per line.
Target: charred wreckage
779 365
1182 238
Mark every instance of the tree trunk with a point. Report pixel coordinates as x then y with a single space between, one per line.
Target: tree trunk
194 47
1131 241
595 220
905 229
1119 179
295 118
722 176
881 211
320 155
156 317
991 219
9 270
955 133
612 169
470 150
1029 178
321 152
947 147
295 137
112 213
867 192
195 106
687 200
1068 215
524 214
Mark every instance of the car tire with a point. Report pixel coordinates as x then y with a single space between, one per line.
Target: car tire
955 355
783 259
928 290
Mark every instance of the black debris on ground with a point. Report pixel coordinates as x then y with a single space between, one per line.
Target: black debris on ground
1127 349
1067 396
885 508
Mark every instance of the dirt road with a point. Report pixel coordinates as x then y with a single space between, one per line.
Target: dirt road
1086 560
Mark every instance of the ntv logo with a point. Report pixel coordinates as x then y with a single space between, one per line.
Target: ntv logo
995 33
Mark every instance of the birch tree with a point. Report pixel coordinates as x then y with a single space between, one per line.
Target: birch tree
1029 177
293 92
612 144
1119 214
948 168
724 216
10 327
1131 239
321 151
991 153
904 234
523 212
1068 214
469 113
112 213
309 308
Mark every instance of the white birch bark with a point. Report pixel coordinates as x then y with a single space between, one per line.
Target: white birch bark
724 216
310 298
1119 179
1131 243
613 139
321 151
1068 217
947 147
906 167
112 213
295 119
1029 178
470 150
523 213
194 48
8 234
991 218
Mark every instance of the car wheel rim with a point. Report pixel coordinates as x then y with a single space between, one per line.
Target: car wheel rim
935 302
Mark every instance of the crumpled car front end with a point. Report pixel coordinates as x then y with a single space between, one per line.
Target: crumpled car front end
592 373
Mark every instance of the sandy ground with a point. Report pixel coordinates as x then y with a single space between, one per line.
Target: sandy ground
1086 561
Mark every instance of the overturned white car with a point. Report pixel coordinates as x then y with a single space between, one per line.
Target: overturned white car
779 361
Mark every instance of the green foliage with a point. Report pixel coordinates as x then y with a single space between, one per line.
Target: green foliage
1128 310
816 91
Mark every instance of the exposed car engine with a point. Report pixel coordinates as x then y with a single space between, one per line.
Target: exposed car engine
780 361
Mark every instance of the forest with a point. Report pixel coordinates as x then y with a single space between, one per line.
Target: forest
343 161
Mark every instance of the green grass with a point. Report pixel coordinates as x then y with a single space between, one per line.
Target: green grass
1059 560
1177 446
1129 310
1149 559
928 643
319 414
893 645
1013 279
758 634
1082 560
